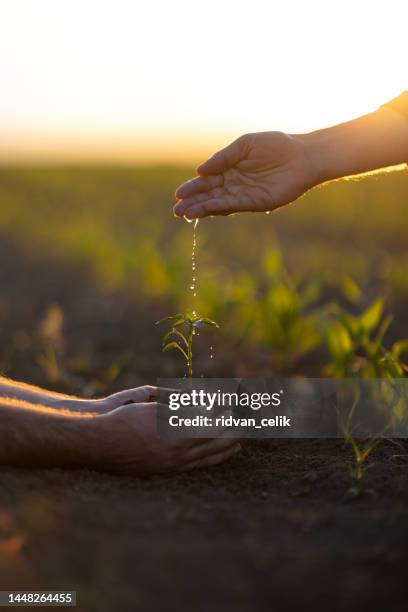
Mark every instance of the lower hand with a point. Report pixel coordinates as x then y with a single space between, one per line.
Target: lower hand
258 172
147 393
138 395
128 443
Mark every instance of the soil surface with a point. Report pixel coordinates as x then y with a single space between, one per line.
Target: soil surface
272 529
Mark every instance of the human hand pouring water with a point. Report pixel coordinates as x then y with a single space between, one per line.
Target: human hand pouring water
264 171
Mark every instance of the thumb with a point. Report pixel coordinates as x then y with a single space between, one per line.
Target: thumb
224 158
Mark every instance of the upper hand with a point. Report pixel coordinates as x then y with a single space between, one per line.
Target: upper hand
257 172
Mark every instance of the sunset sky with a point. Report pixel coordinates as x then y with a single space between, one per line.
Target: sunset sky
171 80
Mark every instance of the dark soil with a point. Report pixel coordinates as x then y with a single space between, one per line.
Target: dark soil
270 530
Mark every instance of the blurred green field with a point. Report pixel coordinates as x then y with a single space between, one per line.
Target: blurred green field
119 222
343 242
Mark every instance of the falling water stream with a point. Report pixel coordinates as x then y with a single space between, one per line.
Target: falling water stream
193 283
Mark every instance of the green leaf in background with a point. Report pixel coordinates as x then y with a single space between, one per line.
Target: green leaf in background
398 348
273 262
382 330
350 289
350 323
310 294
371 317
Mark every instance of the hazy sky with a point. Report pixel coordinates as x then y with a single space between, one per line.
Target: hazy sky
172 79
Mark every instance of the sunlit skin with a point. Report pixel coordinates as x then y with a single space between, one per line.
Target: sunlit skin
264 171
117 434
42 397
257 172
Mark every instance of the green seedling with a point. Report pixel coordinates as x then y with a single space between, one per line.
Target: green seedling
361 453
361 464
393 400
180 336
356 349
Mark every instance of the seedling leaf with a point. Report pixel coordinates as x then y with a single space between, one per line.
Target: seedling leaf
179 318
174 332
176 346
207 321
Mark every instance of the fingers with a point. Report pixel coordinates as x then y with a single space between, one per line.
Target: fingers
222 201
147 393
222 205
200 184
224 159
212 459
182 206
214 206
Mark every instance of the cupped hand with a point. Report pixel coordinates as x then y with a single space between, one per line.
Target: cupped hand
130 444
138 395
146 393
258 172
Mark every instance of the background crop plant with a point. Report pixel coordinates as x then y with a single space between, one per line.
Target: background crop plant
361 452
355 344
280 316
180 336
356 349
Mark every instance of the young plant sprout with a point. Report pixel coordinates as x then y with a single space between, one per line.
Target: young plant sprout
361 453
180 336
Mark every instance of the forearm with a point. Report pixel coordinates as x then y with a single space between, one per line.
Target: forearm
35 395
36 436
374 141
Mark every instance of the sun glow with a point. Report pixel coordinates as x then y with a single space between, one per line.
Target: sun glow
124 80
